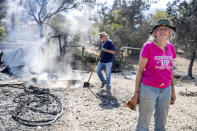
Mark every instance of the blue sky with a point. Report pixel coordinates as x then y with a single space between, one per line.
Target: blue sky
160 5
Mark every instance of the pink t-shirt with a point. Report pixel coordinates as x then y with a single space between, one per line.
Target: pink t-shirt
159 68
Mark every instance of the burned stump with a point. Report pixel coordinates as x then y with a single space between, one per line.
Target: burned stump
3 67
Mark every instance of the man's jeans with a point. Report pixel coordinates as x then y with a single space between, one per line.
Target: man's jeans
107 67
153 99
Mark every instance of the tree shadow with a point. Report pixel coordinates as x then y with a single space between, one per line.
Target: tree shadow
107 100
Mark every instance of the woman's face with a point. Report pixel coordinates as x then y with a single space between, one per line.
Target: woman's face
162 33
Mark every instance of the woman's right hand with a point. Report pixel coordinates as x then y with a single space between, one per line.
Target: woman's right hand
135 98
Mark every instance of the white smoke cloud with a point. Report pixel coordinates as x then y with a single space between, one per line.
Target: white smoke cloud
82 24
41 54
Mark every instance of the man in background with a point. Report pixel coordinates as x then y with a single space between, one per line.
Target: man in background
105 60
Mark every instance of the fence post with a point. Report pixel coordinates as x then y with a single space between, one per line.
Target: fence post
122 55
82 57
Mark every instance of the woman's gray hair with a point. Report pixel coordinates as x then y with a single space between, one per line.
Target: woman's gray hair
172 36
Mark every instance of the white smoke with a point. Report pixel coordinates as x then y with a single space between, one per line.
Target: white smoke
41 54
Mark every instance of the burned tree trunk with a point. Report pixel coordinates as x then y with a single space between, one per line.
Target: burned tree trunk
65 42
60 46
41 30
192 60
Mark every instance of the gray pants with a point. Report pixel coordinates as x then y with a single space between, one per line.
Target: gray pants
153 99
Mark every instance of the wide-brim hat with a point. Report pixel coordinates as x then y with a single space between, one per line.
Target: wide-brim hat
164 22
102 34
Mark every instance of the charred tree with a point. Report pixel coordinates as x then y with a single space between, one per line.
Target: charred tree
192 59
43 10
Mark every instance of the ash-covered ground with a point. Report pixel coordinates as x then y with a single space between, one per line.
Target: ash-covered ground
91 108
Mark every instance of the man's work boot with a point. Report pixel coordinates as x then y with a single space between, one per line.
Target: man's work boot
108 88
102 85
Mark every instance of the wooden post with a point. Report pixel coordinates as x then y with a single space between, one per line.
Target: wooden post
82 54
82 58
60 45
122 55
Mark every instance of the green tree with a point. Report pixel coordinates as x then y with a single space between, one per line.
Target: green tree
2 9
2 15
125 23
116 4
159 14
133 11
184 16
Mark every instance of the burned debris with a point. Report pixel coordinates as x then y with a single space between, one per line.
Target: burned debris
188 93
3 67
36 107
29 105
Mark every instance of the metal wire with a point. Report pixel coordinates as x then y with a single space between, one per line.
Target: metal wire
34 99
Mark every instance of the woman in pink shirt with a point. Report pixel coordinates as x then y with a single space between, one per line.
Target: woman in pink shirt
154 87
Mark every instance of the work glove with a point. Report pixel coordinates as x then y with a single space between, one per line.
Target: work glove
102 49
97 59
